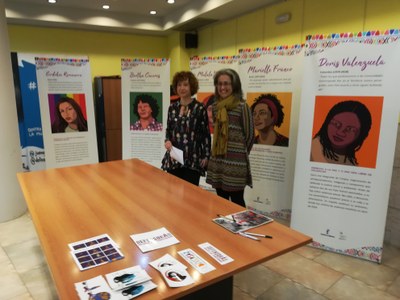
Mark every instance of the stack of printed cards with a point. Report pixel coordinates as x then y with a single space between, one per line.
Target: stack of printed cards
95 251
153 240
124 284
173 272
130 282
127 277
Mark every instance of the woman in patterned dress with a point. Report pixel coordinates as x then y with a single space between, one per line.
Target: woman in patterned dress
187 130
229 167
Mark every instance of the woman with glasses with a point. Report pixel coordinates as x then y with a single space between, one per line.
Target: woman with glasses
229 167
342 134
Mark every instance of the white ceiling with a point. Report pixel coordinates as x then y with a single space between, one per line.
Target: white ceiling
129 15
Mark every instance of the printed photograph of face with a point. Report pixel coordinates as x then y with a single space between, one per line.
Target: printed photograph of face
146 111
271 117
346 130
67 112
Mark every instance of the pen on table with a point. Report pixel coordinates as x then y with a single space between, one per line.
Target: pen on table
258 234
248 236
224 217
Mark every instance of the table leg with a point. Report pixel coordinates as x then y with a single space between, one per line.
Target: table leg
222 290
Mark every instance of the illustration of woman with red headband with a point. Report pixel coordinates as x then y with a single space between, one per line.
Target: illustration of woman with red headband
267 113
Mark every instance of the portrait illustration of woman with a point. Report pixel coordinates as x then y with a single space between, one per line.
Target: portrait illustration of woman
146 108
267 114
68 117
208 102
342 134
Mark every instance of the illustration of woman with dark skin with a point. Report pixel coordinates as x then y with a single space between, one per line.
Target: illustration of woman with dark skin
267 113
175 276
68 117
342 134
146 109
208 102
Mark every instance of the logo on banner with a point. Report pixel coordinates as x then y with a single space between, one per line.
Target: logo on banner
327 233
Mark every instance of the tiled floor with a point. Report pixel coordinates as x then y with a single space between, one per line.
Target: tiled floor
306 273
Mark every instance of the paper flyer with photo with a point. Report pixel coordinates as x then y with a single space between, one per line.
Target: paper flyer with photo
127 277
172 270
97 288
67 110
153 240
94 287
166 261
176 277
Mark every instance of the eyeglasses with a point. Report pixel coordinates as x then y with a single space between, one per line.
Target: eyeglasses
348 129
224 83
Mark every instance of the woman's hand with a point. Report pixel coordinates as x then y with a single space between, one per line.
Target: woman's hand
168 145
204 163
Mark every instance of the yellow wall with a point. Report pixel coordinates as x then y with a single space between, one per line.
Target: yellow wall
308 17
105 50
257 29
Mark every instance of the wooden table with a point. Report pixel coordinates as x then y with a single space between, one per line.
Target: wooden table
127 197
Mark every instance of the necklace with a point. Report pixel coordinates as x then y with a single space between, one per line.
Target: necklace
184 108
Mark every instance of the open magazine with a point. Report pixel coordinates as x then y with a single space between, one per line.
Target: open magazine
242 221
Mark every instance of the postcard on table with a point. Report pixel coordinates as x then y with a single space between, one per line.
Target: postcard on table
242 221
127 277
166 261
153 240
96 255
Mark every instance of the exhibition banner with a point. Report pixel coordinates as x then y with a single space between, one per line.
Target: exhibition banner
67 112
204 69
145 102
271 81
346 141
29 120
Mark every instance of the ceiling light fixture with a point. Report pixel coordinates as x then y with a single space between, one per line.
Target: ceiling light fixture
52 1
106 6
153 12
170 1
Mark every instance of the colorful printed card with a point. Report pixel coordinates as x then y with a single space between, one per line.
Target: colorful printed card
97 288
90 242
196 261
94 288
242 221
127 277
96 255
